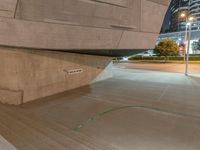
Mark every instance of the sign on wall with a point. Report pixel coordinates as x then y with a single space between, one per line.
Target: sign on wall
74 71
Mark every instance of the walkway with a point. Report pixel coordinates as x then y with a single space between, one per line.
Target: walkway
135 110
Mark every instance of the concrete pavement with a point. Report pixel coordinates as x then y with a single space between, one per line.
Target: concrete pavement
5 145
163 67
138 109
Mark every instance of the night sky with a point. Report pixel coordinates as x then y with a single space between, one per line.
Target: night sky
166 20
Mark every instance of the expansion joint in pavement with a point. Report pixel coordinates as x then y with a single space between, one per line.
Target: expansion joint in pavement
101 114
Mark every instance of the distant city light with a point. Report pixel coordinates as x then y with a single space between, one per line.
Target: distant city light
125 58
188 24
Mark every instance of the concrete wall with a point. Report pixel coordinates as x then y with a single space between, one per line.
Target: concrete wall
28 70
8 8
81 24
31 74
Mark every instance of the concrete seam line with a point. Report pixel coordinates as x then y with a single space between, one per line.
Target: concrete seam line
98 115
164 92
16 7
120 39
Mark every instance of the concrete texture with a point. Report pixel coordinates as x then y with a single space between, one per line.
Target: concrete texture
37 74
150 22
8 8
29 27
11 97
81 24
5 145
193 69
136 109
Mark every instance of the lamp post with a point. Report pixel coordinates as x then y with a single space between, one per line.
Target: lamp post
189 20
188 49
183 15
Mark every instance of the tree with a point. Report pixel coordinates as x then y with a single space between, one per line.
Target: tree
166 48
196 45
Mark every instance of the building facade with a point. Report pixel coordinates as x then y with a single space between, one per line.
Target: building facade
179 37
177 8
51 46
194 10
188 7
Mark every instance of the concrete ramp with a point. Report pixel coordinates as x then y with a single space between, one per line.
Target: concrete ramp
5 145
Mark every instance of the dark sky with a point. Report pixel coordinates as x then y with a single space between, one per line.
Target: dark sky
166 20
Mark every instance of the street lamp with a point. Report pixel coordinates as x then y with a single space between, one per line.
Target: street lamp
183 15
189 20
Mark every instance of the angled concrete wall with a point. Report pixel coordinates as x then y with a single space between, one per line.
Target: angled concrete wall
27 75
8 8
30 31
81 24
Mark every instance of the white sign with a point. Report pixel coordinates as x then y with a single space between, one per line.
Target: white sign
74 71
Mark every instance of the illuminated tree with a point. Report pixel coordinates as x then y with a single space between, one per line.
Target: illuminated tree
166 48
196 45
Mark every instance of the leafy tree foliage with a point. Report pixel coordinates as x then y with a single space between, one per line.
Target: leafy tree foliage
166 48
196 45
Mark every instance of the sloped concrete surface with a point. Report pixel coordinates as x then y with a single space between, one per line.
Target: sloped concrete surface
136 109
5 145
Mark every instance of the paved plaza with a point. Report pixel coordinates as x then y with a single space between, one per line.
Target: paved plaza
143 107
163 67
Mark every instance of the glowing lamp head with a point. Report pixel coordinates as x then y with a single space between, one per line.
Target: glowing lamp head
191 18
183 15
